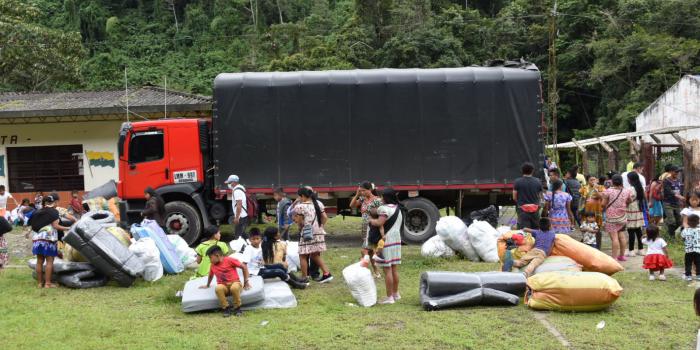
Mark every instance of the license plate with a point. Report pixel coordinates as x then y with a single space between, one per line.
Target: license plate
185 176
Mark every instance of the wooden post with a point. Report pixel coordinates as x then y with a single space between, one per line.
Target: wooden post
634 149
584 156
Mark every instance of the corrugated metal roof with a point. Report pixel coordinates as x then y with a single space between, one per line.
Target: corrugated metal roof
144 99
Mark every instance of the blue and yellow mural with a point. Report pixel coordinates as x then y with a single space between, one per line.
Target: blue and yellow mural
104 159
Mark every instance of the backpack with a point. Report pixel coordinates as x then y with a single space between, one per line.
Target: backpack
251 201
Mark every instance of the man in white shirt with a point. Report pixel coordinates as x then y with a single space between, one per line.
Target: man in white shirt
637 167
4 196
240 206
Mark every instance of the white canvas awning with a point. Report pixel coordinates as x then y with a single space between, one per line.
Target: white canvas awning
620 137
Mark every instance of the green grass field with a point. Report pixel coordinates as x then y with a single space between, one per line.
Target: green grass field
649 315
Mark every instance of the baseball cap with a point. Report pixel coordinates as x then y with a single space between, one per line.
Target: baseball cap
232 178
53 197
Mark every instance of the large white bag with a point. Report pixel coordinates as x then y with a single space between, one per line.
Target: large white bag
293 262
453 232
359 280
187 255
435 247
484 240
146 250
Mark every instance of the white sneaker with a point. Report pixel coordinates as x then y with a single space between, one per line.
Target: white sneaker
688 278
640 252
651 277
387 301
662 277
397 297
632 253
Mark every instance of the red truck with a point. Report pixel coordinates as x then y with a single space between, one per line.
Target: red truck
449 137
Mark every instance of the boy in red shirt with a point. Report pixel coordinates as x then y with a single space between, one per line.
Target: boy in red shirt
227 280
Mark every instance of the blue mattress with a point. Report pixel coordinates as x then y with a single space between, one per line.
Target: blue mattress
168 255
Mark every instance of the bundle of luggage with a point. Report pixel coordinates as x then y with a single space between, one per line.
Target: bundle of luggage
476 242
97 250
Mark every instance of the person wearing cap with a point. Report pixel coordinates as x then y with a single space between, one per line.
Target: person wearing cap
240 206
45 224
672 199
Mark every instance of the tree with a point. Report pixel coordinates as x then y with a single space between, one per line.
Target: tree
33 56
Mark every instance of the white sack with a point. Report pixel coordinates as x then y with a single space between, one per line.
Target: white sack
146 250
361 283
435 247
484 240
453 232
187 255
293 262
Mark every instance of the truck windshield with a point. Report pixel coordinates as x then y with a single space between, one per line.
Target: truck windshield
146 147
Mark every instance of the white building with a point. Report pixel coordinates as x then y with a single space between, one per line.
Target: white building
679 106
68 141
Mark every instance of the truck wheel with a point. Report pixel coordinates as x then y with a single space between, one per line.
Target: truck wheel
421 217
182 219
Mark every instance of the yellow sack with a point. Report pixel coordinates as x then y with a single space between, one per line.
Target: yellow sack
590 258
113 205
121 235
72 254
571 291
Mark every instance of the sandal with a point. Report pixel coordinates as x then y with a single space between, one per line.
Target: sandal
47 286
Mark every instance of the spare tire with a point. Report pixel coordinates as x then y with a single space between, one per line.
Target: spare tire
421 217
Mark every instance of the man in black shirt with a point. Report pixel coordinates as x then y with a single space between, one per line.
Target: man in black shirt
527 194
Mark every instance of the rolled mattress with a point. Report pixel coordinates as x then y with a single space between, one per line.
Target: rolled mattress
196 299
103 250
439 290
60 265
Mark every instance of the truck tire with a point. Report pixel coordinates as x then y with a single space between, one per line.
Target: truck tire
182 219
421 217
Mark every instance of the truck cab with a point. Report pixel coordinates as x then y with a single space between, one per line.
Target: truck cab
170 156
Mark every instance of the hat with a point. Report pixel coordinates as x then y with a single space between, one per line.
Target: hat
232 178
53 197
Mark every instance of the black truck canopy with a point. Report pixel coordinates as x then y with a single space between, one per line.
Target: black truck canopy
472 125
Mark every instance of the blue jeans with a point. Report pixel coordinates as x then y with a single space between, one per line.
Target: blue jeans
272 271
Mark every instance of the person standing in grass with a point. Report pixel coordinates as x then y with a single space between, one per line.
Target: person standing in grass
691 238
4 197
45 225
615 201
655 199
558 206
213 238
309 215
527 194
366 200
656 259
227 280
391 218
692 208
284 221
672 189
592 195
636 212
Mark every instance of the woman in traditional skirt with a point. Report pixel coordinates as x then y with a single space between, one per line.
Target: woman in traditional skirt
391 218
558 205
308 213
636 213
615 201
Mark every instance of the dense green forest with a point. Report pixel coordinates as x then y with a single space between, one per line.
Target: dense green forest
614 56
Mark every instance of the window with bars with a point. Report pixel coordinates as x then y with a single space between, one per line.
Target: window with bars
45 168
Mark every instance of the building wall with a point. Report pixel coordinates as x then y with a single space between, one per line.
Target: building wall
99 140
678 106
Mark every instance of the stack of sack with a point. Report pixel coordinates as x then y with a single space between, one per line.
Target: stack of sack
478 242
172 262
576 277
439 290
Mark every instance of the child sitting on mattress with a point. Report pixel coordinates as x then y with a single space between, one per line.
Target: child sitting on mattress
227 280
544 240
213 238
266 264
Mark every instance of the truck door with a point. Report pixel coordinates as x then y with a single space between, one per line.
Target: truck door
148 162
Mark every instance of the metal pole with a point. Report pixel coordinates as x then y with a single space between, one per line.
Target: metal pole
126 93
166 97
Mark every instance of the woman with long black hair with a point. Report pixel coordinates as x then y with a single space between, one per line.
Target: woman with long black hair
155 207
636 212
309 216
366 200
391 218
